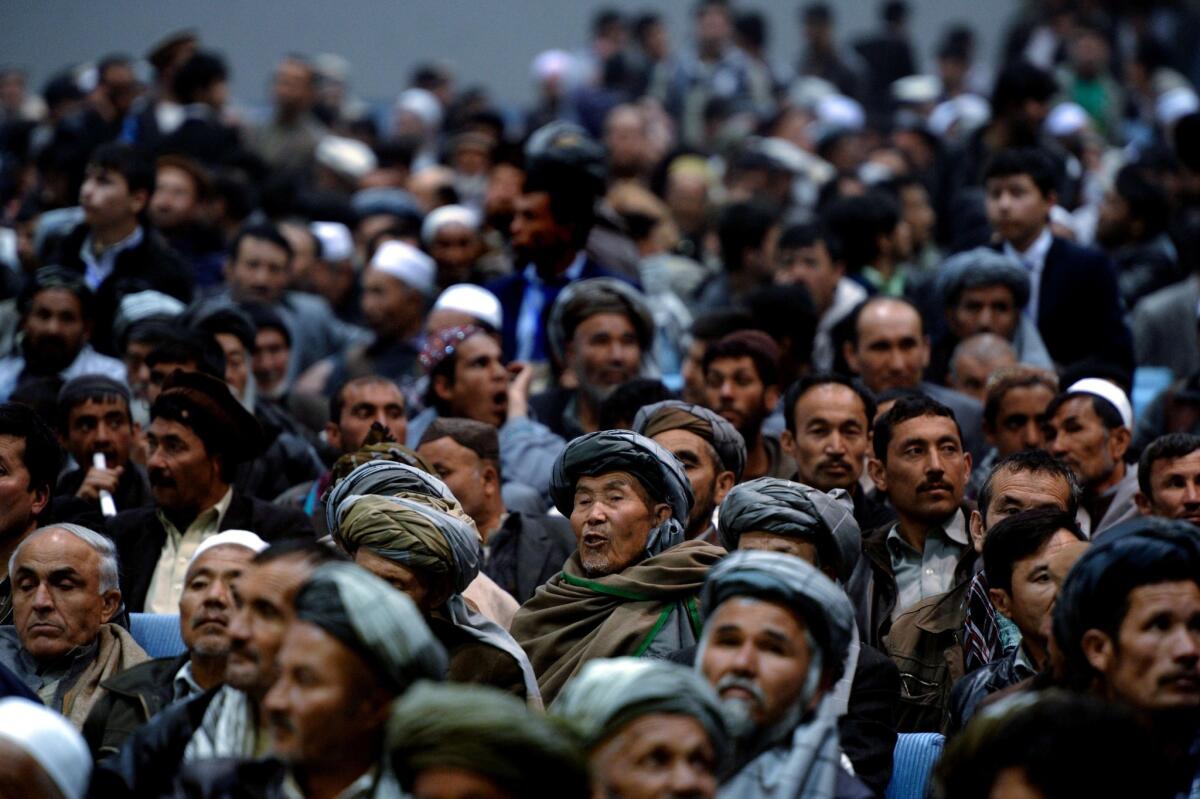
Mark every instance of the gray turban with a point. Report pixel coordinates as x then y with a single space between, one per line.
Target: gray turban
981 266
384 478
713 428
623 451
793 582
375 620
585 298
794 510
609 694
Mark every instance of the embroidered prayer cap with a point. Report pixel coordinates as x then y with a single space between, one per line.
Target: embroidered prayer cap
444 343
713 428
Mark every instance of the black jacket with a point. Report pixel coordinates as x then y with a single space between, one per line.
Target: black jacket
139 537
528 550
133 489
972 689
133 697
149 265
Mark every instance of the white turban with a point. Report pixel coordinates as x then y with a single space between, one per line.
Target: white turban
50 740
407 264
347 157
474 301
447 215
423 105
337 244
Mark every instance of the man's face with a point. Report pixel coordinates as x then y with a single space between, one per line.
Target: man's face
832 437
755 653
206 604
304 253
107 201
365 404
389 307
812 267
327 701
137 373
57 602
984 309
1029 603
417 585
480 389
270 361
182 472
161 371
293 87
263 610
1154 665
892 350
969 372
1014 491
19 503
692 372
1019 419
175 201
456 248
100 426
604 353
917 211
259 271
55 330
625 139
462 472
1175 488
1016 209
656 755
448 782
536 236
120 87
237 362
709 482
734 389
1077 436
785 545
612 521
926 469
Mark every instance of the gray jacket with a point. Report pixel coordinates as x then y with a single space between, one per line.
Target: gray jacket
1164 328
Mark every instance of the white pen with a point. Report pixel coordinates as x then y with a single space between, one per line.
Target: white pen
107 506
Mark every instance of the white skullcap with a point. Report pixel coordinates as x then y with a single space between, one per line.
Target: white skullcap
337 244
448 215
230 538
347 157
1174 104
967 111
1106 390
806 91
917 89
840 112
50 740
474 301
423 105
552 64
1066 119
407 264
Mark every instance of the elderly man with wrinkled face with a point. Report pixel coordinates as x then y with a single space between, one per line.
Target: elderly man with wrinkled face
650 728
776 636
631 587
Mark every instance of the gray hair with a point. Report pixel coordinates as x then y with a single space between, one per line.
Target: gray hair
100 544
986 347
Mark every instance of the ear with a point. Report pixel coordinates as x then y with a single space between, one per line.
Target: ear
851 356
788 442
770 398
442 387
925 350
490 477
138 200
333 434
877 473
1001 601
723 485
1143 504
1098 649
1118 442
41 498
111 603
976 525
662 512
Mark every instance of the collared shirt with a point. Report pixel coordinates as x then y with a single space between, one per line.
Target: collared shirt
530 344
99 265
920 575
889 287
49 680
1034 261
184 684
361 788
166 587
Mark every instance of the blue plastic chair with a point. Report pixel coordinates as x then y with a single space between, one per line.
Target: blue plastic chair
912 764
157 633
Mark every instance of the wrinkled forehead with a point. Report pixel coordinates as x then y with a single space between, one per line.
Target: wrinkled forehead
276 581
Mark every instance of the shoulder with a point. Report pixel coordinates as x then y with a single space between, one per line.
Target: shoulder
149 674
696 551
271 521
1070 254
1180 297
131 524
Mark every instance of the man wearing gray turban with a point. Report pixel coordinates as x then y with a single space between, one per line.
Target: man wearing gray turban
630 588
624 707
711 450
984 291
776 636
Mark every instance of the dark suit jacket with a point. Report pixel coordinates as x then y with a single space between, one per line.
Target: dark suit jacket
139 537
1080 315
528 550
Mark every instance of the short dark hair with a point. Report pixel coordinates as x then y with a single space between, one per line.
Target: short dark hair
184 345
130 164
859 221
786 314
621 406
805 384
1034 461
1108 413
302 546
337 400
200 72
43 457
263 231
1018 83
231 320
903 410
808 234
1164 448
1032 161
1019 536
753 344
174 408
570 204
1146 198
1009 379
714 325
57 277
89 388
479 437
751 26
816 12
742 226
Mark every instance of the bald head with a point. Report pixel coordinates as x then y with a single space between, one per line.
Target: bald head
975 359
889 348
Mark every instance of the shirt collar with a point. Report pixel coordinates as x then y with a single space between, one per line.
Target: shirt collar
132 240
955 529
1035 254
202 517
571 273
185 684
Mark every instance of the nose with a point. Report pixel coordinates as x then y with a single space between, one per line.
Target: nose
239 627
41 598
835 444
217 594
726 389
686 779
157 459
935 465
1191 494
985 321
744 662
596 513
1031 436
1185 646
276 698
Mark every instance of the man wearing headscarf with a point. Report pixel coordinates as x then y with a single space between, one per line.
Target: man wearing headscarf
355 645
711 450
41 754
1127 626
631 587
482 742
428 547
776 636
624 707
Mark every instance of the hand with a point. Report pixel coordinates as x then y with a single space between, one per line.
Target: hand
97 480
520 375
